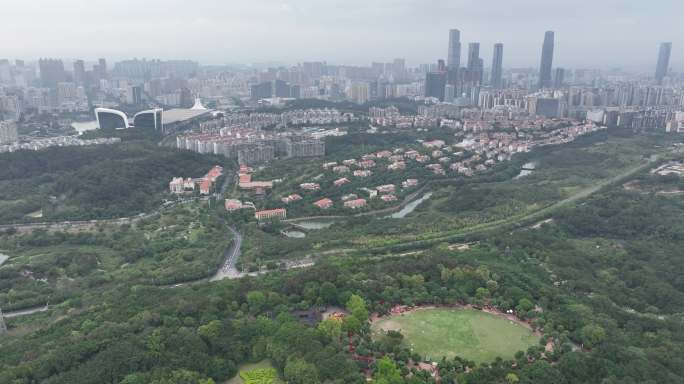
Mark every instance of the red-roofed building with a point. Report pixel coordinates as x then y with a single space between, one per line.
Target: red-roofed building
214 173
205 186
233 205
279 213
291 198
340 182
324 203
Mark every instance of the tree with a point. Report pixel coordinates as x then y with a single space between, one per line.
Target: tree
298 371
512 378
256 301
328 293
387 372
351 324
524 305
357 306
592 335
331 328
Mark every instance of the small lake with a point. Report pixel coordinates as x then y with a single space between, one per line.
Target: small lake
408 208
295 234
3 258
314 224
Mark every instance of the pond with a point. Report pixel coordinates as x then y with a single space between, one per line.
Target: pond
295 234
314 224
3 258
410 207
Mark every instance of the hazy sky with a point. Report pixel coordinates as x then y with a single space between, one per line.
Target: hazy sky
589 33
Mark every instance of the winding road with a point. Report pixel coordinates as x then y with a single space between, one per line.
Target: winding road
231 256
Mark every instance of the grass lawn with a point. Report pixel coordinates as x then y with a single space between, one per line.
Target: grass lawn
471 334
264 364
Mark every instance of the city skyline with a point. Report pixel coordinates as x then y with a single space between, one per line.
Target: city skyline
357 33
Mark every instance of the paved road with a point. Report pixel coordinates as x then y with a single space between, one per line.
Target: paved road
231 256
24 312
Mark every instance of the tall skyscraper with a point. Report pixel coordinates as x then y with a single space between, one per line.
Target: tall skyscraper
663 61
475 66
473 55
454 56
497 66
102 65
79 72
546 60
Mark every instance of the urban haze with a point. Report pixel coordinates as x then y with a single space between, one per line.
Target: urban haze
341 192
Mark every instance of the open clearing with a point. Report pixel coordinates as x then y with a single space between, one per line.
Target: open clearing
468 333
264 364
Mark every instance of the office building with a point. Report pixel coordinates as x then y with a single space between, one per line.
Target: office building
8 132
262 91
435 83
546 60
454 55
497 66
282 88
475 67
663 62
559 78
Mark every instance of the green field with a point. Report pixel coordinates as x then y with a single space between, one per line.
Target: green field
470 334
246 368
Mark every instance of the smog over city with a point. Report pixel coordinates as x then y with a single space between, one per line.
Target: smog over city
341 192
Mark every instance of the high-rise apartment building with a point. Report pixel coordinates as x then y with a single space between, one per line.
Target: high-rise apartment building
79 72
51 72
497 66
8 132
545 80
663 61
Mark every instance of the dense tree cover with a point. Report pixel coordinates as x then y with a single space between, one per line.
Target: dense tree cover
600 281
554 276
92 182
179 245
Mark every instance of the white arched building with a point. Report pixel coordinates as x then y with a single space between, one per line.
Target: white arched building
110 119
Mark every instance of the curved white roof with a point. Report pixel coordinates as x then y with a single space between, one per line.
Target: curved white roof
112 111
